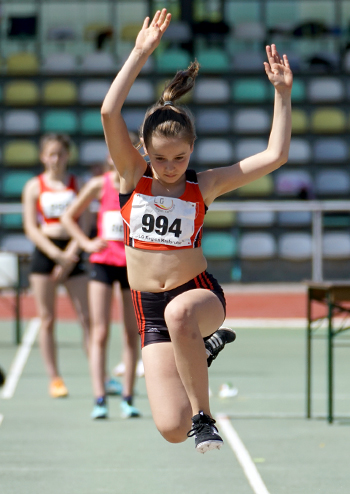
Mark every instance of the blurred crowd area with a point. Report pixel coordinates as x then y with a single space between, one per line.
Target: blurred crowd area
58 59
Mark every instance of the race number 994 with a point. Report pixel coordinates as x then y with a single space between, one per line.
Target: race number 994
160 225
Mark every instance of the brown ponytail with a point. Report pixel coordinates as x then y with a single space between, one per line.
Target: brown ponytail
167 119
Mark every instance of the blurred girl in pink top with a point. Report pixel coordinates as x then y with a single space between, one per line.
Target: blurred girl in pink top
108 265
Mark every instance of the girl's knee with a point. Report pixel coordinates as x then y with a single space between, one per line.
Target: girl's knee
47 322
99 335
173 435
178 315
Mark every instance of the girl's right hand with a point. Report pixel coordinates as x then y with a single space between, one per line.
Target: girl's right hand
65 258
95 245
150 35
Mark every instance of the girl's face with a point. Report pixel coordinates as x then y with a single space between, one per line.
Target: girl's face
169 157
54 156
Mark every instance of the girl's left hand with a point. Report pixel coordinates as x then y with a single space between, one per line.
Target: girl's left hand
151 33
277 69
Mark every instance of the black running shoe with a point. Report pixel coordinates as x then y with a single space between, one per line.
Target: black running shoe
205 433
217 341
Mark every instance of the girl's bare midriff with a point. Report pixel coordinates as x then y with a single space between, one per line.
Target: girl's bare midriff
55 230
159 271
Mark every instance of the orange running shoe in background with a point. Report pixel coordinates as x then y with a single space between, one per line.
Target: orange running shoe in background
57 388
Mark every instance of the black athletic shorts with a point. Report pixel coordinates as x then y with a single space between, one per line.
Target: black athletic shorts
149 307
42 264
105 273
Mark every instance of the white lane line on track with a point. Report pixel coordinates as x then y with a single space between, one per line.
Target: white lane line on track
20 359
242 455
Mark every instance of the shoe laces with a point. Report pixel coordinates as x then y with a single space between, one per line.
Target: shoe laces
205 424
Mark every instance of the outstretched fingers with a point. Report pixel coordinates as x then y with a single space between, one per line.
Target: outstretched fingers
164 26
145 23
155 18
286 61
273 55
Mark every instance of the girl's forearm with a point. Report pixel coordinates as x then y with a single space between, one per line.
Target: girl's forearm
43 243
121 85
280 135
79 238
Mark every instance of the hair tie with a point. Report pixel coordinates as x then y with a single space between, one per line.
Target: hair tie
166 103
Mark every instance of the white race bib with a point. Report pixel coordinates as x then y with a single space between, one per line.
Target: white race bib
53 204
112 226
162 220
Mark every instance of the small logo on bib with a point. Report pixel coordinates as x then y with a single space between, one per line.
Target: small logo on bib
164 204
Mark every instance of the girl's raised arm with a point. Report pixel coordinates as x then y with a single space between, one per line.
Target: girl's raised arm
216 182
130 164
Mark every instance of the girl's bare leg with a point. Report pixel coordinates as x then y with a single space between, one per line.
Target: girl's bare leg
44 289
131 342
190 317
171 408
77 290
100 298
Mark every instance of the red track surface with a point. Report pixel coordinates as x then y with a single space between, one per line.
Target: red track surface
244 305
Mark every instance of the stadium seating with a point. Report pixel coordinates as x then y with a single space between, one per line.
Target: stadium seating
13 183
98 62
20 153
60 63
21 93
292 182
141 92
22 63
332 182
18 122
17 243
250 146
218 245
295 246
258 246
93 91
336 245
93 151
251 121
214 152
172 60
300 121
91 122
331 149
300 151
326 89
12 221
250 61
294 218
133 119
210 90
249 90
298 91
328 120
263 187
213 60
219 219
61 89
60 92
255 218
213 121
60 121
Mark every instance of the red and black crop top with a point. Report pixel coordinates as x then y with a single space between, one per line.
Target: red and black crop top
52 203
163 223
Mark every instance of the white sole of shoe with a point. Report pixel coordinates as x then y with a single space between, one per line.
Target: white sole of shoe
208 446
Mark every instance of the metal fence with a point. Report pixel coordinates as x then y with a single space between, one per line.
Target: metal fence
317 208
